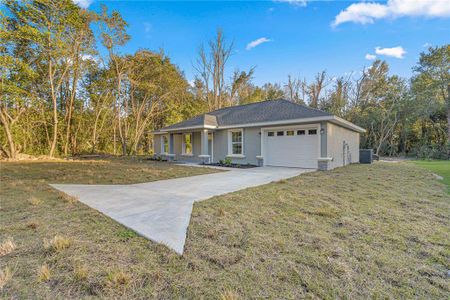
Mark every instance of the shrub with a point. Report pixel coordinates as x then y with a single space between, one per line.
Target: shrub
227 161
433 152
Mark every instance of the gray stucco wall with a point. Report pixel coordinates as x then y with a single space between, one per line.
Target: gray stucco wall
336 135
252 146
157 144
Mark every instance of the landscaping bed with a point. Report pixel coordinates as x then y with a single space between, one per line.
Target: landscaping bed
232 165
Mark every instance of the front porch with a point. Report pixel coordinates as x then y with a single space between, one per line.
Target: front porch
188 146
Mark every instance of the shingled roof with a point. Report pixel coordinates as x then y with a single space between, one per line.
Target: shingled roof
258 112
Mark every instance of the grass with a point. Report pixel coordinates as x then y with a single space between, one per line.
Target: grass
363 231
439 167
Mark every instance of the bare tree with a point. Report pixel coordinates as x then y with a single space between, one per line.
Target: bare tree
315 89
210 68
295 90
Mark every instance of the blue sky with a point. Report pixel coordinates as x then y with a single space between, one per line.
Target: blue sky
302 38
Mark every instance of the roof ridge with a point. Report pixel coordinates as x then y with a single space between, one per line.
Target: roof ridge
246 104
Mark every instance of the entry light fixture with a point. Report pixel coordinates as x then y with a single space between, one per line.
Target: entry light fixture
322 131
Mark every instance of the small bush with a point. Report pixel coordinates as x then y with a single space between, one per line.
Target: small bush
35 201
433 152
227 161
44 273
5 276
58 243
7 247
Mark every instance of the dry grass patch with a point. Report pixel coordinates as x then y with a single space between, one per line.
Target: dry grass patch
57 244
35 201
68 198
6 247
118 278
229 295
5 277
44 273
80 272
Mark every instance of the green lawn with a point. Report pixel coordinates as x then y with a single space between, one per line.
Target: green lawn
439 167
363 231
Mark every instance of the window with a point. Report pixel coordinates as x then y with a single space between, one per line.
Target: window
312 131
300 132
280 133
187 144
236 142
290 132
164 144
270 133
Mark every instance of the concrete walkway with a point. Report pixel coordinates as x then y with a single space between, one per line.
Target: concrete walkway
161 210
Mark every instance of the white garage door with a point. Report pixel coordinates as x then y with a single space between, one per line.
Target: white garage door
292 148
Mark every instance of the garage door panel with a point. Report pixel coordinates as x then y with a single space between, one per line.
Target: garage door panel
291 151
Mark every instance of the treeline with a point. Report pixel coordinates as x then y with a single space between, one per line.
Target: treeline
60 97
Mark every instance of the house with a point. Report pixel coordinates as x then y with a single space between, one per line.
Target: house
268 133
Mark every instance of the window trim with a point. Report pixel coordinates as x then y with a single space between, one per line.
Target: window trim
230 143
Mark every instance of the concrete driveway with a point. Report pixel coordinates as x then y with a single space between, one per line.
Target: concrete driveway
161 210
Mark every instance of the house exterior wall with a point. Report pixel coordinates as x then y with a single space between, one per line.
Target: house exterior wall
252 146
157 144
336 135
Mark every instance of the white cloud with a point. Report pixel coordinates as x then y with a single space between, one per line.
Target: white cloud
370 56
257 42
426 45
191 82
294 2
368 12
397 52
83 3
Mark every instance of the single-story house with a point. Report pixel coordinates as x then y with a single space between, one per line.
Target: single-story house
267 133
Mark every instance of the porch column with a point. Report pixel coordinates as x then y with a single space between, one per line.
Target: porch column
204 147
171 154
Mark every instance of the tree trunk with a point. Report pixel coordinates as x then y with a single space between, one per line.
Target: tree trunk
9 137
55 112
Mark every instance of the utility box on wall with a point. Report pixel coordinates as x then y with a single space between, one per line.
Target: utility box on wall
365 156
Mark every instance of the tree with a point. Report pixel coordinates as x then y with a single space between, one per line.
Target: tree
316 88
210 69
431 84
295 90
